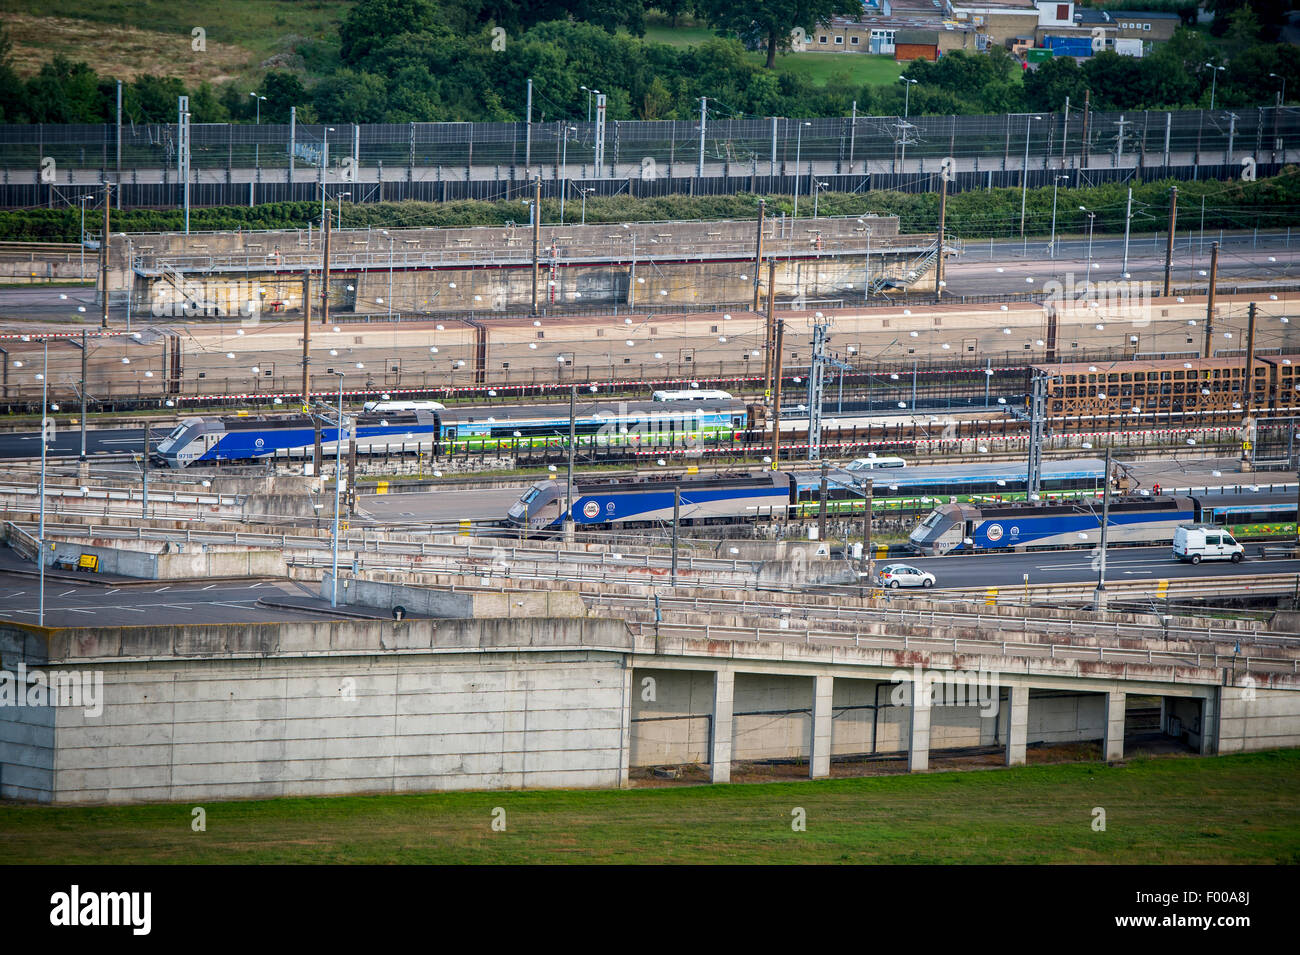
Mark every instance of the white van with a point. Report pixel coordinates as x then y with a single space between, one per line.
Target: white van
872 463
1196 544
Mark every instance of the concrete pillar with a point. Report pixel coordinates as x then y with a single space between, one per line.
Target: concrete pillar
819 762
1113 742
1210 723
625 733
918 748
724 695
1017 725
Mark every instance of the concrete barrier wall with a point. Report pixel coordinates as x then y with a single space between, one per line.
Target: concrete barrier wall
445 603
243 729
196 561
259 710
1252 719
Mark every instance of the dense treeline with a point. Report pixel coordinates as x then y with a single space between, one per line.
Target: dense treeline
403 61
1268 203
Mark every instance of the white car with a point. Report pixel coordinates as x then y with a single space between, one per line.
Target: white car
904 575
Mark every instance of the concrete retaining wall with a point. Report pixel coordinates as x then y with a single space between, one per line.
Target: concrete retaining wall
1252 719
446 603
234 712
198 561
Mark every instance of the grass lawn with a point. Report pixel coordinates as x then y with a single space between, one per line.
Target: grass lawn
819 68
129 37
1233 809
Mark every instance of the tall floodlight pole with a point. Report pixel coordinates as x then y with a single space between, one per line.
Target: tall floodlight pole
45 410
589 92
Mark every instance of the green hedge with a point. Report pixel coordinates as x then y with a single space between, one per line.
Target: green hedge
1268 203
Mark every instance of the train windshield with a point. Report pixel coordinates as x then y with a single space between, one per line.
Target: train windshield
530 495
934 520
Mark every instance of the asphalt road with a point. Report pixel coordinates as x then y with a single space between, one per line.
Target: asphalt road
94 605
1123 564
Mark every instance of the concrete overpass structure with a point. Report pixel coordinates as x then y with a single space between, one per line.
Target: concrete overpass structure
525 682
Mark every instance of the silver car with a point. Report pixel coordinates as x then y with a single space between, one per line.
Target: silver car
904 575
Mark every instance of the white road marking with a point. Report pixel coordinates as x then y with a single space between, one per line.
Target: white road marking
132 609
19 594
113 591
161 589
66 592
209 586
74 610
254 586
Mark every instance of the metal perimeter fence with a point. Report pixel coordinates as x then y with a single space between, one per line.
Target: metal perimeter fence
238 163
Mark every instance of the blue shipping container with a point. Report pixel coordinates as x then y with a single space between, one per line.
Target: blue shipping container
1069 45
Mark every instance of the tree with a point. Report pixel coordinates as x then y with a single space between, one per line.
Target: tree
64 92
656 102
13 93
351 96
371 23
281 90
774 19
1048 87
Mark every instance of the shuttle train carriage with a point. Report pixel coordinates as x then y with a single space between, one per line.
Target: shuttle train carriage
250 437
622 504
592 417
995 477
956 528
392 426
738 497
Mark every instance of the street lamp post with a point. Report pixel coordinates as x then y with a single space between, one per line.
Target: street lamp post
817 190
798 143
584 202
589 92
341 196
564 167
1091 217
1214 79
1055 182
384 233
81 239
1024 181
324 164
338 470
1281 95
907 97
45 410
257 158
